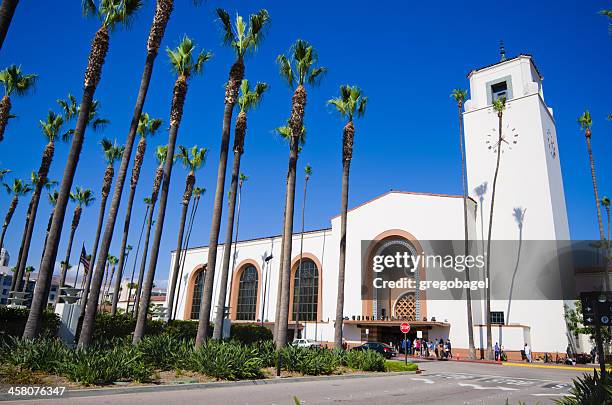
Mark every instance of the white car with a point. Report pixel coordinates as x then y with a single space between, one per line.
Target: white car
309 343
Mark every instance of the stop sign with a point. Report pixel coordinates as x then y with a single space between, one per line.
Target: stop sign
405 327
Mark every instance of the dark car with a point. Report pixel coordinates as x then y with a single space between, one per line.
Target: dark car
382 348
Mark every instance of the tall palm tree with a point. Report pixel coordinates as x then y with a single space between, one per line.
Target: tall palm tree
307 173
51 127
197 194
585 123
131 284
28 272
146 127
185 64
242 40
285 133
52 198
111 14
83 198
14 81
21 264
459 95
349 104
160 153
17 189
7 9
298 69
163 11
248 99
605 201
192 159
499 106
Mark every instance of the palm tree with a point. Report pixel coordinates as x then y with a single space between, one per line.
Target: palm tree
459 95
351 102
197 194
308 173
146 127
159 174
248 100
605 201
83 198
132 284
285 133
192 159
28 272
185 63
242 40
585 123
607 13
111 13
299 68
14 81
32 207
7 9
18 189
51 130
499 106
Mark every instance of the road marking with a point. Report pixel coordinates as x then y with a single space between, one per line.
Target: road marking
425 380
545 366
480 387
550 395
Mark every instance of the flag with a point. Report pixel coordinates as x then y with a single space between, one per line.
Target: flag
83 260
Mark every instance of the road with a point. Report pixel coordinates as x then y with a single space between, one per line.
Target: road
440 383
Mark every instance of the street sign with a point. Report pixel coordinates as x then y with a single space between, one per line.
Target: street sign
596 308
405 327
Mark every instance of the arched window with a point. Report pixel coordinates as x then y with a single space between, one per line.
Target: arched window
306 291
196 299
247 294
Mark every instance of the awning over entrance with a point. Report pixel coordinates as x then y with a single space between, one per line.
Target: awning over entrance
413 324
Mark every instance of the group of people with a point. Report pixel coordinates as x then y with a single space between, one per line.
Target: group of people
442 349
500 354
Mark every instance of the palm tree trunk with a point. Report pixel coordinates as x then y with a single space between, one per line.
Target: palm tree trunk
75 223
101 299
178 101
231 274
93 73
279 288
27 281
489 352
7 219
163 11
471 347
236 75
43 172
16 282
7 10
194 209
5 114
144 222
140 151
49 281
177 262
296 123
143 262
227 248
347 155
297 298
597 203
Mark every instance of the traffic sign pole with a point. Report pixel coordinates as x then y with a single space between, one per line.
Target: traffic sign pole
405 349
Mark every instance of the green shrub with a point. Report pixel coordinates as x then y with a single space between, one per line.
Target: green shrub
366 360
108 327
267 353
318 362
13 320
165 352
590 389
248 333
36 355
292 356
94 366
182 329
226 361
392 365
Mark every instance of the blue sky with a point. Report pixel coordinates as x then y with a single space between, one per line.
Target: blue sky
406 57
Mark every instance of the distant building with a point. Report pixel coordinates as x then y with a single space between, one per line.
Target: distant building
6 278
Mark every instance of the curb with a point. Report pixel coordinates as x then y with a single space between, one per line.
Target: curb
90 392
531 365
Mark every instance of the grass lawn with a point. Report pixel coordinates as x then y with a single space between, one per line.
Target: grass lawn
394 365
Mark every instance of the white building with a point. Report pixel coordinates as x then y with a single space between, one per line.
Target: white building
529 183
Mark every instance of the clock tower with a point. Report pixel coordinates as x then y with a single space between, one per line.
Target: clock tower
529 198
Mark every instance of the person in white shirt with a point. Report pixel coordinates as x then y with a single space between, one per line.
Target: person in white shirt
528 352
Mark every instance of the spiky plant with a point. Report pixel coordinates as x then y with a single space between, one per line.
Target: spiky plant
243 38
192 159
111 13
14 82
147 126
186 63
248 99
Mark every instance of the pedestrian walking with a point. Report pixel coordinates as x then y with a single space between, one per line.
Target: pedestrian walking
497 351
528 353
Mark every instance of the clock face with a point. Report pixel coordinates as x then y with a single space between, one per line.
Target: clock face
552 146
509 138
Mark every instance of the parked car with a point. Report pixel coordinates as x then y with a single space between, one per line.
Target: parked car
382 348
309 343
